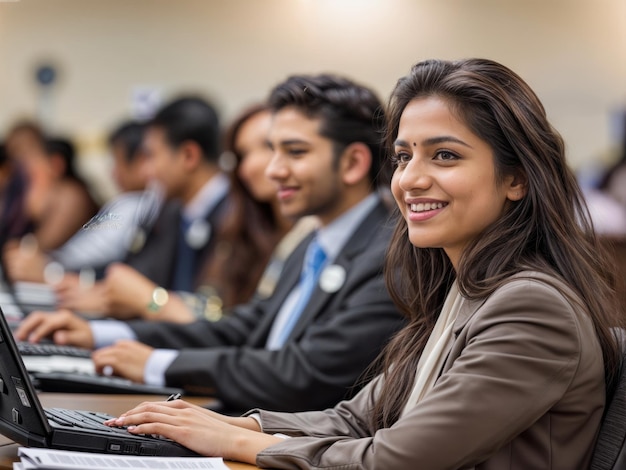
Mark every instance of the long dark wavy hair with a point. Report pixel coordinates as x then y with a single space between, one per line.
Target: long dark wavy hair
249 232
548 230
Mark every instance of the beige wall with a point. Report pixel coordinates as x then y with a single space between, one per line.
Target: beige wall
573 52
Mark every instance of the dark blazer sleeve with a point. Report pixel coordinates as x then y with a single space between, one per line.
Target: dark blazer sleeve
234 329
337 337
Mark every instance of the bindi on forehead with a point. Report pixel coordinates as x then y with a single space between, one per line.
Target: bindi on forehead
414 144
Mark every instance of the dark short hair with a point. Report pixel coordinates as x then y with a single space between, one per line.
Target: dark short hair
129 135
190 119
349 112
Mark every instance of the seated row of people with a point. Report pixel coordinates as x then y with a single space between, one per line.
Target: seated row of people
306 157
508 357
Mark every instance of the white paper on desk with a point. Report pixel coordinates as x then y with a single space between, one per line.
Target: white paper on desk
46 459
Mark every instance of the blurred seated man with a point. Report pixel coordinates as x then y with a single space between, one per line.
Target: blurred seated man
305 345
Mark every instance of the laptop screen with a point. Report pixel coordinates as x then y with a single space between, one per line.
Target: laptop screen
21 415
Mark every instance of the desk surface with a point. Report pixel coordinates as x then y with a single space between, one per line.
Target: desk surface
112 404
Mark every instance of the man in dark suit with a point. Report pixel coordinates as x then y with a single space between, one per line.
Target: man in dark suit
182 147
297 349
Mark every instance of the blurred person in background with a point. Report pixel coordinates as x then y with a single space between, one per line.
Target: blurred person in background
613 182
607 199
108 235
13 220
57 201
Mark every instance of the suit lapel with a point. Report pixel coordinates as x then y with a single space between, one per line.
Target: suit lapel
357 243
467 310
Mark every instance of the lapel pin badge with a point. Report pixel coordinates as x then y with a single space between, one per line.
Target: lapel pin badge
332 278
198 234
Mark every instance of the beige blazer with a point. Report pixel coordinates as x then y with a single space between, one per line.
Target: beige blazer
522 388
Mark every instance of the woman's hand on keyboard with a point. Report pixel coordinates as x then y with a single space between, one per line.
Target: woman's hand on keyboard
199 429
63 327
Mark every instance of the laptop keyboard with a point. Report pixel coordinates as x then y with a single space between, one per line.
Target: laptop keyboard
56 368
80 419
50 349
89 420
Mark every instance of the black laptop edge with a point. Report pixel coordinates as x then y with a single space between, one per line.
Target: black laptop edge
22 417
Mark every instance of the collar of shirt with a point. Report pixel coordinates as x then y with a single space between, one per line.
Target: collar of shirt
334 236
207 198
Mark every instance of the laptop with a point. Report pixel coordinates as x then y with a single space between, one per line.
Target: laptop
56 368
20 298
25 421
70 369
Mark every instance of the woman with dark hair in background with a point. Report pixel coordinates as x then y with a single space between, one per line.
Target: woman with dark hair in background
13 220
57 200
508 355
107 237
253 225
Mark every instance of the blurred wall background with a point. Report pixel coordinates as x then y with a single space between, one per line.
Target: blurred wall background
113 56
